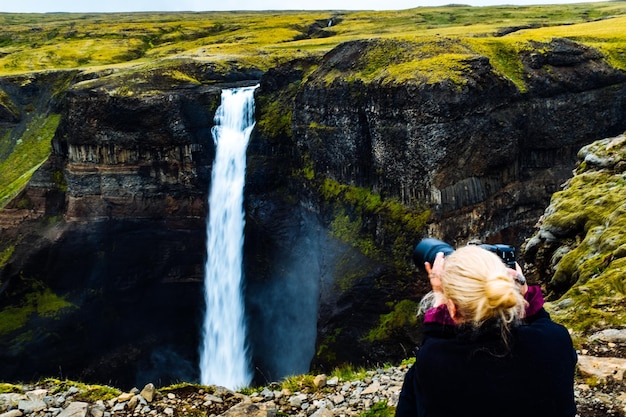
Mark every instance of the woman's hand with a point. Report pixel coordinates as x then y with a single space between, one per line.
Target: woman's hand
518 275
434 272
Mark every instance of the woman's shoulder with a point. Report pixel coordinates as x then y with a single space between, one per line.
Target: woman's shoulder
542 335
541 323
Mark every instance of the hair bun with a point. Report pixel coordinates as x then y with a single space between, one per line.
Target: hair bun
501 292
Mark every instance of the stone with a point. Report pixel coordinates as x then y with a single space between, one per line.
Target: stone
267 394
12 413
10 399
248 409
124 397
333 382
119 407
132 403
148 392
213 398
297 400
323 412
610 335
320 381
371 389
602 368
338 399
31 406
75 409
38 394
97 410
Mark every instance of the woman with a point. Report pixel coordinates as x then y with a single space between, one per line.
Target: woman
490 349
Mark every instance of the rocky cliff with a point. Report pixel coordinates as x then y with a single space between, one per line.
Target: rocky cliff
474 154
349 166
106 244
579 244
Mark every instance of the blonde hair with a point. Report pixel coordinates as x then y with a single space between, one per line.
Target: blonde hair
480 287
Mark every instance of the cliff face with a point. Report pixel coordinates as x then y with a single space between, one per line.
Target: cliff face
110 236
479 154
484 155
578 247
346 173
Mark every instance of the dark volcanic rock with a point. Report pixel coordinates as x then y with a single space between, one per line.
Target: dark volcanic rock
483 155
115 227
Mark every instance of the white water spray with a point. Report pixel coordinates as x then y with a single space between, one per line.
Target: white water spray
224 358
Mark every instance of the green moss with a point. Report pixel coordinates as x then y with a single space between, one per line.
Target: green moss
591 211
588 200
58 177
5 255
504 56
275 110
40 303
31 150
356 208
430 61
184 386
7 103
408 362
6 388
325 349
404 314
275 119
380 409
86 392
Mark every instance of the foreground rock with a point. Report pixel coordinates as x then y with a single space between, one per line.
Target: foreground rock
321 397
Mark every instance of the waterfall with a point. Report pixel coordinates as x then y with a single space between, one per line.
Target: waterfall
224 358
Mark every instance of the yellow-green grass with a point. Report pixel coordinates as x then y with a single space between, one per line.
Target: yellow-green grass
30 151
86 392
264 39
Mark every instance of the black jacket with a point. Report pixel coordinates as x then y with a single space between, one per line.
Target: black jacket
463 372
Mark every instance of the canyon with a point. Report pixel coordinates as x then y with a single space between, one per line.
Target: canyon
104 248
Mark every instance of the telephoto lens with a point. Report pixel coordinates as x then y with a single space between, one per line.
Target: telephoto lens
426 251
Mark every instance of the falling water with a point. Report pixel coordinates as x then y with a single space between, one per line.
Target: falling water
224 357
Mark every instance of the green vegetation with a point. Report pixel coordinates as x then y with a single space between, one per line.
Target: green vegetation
404 313
347 372
433 43
5 101
41 302
5 255
354 205
325 349
299 383
86 392
30 151
591 214
6 388
380 409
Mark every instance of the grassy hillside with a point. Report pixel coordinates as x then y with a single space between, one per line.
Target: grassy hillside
31 42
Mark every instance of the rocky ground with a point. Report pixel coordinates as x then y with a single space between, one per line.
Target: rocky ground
600 391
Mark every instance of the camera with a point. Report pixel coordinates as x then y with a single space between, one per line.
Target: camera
426 251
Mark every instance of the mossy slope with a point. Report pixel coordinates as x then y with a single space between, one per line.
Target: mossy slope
585 228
